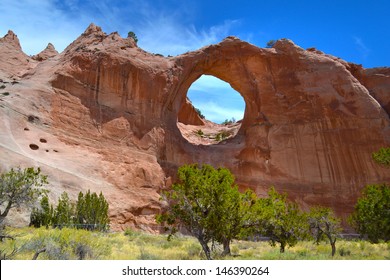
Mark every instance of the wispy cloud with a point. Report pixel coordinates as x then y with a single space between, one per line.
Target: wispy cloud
209 83
218 113
37 23
161 28
216 99
361 47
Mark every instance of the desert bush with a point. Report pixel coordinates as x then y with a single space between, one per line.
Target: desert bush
90 212
20 187
382 156
207 203
371 216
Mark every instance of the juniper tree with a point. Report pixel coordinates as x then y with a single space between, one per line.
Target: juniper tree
371 216
64 212
207 204
20 187
324 224
44 215
92 211
278 219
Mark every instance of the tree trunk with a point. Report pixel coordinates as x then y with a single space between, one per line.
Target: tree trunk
333 244
226 247
37 253
205 248
5 212
282 246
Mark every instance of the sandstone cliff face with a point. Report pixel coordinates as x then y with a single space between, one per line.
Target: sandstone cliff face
111 110
13 61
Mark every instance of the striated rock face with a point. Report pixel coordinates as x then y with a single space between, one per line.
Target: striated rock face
377 81
110 110
188 115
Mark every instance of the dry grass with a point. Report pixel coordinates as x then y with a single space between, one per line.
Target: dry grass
133 245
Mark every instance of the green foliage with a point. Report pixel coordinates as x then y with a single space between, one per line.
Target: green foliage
64 212
324 225
44 215
382 156
227 122
270 43
20 187
63 244
207 204
285 223
372 213
199 113
89 212
278 219
92 211
221 136
200 133
131 34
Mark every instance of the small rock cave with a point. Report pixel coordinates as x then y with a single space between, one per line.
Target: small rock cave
34 147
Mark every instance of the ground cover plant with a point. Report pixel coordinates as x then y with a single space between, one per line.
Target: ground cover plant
76 244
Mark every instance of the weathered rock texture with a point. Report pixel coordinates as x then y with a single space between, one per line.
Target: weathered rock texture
109 110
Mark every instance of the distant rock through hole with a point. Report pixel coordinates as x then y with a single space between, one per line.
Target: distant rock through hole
212 112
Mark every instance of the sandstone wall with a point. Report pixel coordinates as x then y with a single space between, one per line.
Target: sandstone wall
310 125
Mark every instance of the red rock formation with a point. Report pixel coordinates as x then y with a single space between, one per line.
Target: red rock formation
309 128
188 115
377 81
48 52
13 60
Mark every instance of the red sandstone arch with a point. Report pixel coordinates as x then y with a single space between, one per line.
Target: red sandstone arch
309 127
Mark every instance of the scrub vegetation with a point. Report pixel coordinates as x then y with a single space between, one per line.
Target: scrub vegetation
221 222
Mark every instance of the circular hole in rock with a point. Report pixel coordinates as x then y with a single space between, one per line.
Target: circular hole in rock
55 151
212 112
47 151
34 147
42 140
26 129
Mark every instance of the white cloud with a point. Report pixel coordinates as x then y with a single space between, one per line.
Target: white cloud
209 83
160 29
37 23
167 36
216 113
361 46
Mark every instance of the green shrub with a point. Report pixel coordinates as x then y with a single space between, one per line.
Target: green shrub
20 187
131 34
90 212
371 216
200 133
382 156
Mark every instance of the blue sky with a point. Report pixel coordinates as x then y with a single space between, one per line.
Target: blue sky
357 31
